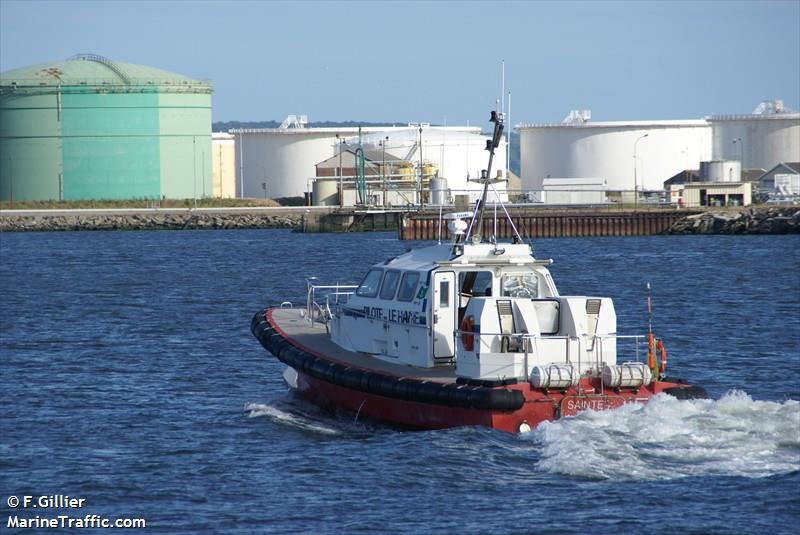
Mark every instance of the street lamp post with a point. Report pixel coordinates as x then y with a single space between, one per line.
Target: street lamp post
383 143
341 143
241 165
741 150
419 184
635 177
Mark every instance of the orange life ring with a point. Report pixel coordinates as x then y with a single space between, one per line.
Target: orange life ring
663 354
467 338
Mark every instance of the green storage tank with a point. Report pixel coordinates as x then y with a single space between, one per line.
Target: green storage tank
92 128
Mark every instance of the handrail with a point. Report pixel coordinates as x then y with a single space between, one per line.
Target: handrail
339 292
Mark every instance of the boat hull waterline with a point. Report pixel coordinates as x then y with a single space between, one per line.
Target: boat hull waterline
419 403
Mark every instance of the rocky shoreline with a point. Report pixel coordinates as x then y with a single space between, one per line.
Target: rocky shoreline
170 221
755 220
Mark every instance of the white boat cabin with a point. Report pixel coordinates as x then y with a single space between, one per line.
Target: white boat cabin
492 311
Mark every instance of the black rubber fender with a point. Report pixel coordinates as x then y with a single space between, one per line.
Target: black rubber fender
687 392
467 393
427 392
401 389
459 396
363 383
505 400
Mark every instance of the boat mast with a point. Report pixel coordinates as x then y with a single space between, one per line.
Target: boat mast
486 175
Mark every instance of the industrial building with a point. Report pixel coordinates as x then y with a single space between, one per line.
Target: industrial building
93 128
640 155
289 158
717 194
782 182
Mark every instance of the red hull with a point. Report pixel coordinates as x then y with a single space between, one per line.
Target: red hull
421 404
539 406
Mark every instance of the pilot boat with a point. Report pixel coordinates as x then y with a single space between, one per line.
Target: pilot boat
468 333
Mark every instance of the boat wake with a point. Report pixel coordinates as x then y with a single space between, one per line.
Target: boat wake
668 439
290 416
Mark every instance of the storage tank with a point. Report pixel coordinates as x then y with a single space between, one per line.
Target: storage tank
758 141
721 171
92 128
287 157
439 191
325 193
223 165
640 154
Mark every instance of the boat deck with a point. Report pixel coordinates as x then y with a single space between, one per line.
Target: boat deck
315 339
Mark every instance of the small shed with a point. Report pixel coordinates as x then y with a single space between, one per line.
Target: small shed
717 194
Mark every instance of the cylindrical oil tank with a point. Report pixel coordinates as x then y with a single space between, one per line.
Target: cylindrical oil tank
626 154
721 171
758 141
325 193
439 192
290 158
92 128
223 165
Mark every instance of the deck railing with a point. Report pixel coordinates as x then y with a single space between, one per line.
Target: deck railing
323 300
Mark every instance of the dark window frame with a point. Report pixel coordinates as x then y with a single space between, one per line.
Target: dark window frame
386 275
401 286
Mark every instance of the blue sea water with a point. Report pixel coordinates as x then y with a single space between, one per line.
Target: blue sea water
129 378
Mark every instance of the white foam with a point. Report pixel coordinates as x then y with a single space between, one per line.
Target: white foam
284 417
668 438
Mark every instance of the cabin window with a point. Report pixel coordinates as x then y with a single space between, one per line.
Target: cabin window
390 284
408 286
521 285
475 283
444 294
369 286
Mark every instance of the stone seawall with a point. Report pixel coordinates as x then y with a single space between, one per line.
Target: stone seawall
169 221
756 220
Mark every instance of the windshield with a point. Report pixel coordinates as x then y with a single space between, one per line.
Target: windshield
369 286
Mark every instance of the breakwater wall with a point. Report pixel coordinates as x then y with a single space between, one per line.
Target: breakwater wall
418 225
543 223
146 221
757 220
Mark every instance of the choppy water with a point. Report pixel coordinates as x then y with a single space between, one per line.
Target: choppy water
130 379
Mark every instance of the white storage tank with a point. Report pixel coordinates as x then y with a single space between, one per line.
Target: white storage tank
223 165
439 192
628 155
325 192
286 158
758 141
721 171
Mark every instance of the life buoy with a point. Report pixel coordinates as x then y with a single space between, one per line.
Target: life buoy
467 338
663 353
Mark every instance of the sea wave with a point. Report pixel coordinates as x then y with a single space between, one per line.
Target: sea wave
289 417
668 439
